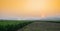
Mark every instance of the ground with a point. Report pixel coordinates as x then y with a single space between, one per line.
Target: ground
41 26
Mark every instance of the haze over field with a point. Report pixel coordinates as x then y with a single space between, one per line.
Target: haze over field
29 9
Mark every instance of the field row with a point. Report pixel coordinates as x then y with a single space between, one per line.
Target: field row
12 25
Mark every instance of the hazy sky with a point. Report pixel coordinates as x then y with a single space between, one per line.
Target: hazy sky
18 9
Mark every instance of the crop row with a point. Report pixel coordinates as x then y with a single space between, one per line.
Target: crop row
13 27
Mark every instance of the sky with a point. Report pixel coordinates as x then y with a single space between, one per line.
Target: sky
29 9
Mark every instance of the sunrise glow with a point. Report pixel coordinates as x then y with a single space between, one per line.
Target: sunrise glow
29 8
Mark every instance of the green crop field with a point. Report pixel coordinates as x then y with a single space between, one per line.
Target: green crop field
11 25
14 25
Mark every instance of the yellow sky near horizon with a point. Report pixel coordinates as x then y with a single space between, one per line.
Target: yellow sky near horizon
35 8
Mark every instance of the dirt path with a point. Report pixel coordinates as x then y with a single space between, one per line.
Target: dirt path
41 26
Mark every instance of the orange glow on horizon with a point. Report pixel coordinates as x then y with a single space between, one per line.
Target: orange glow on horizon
35 8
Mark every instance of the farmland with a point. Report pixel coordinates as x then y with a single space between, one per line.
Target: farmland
6 25
14 25
42 26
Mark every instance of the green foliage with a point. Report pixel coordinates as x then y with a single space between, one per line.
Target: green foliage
12 25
